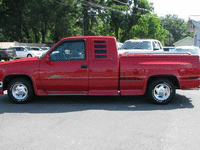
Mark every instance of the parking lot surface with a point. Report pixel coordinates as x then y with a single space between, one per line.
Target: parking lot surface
101 123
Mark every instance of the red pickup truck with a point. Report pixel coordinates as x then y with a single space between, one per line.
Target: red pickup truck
91 65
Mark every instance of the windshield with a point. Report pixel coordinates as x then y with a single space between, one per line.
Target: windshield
136 45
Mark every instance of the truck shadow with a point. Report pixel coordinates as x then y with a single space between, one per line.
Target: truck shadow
63 104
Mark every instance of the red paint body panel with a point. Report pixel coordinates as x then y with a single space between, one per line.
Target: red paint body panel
106 73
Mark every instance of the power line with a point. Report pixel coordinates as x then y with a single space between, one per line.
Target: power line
101 6
133 6
94 5
109 8
142 8
121 2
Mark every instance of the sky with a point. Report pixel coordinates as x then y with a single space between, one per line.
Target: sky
182 8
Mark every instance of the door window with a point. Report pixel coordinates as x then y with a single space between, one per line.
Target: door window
69 51
18 49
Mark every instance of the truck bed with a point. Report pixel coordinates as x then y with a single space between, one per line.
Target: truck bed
137 69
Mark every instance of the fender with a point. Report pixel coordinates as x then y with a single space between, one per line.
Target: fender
8 78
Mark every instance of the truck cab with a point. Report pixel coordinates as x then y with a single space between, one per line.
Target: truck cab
86 66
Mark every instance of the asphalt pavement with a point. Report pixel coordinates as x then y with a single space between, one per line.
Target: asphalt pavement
101 123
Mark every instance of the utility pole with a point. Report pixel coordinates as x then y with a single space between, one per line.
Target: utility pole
89 13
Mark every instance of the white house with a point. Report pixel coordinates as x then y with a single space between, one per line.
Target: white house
188 41
194 26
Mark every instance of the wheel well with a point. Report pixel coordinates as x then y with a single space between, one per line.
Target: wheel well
9 78
173 79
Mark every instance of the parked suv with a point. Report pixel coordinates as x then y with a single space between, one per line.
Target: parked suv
6 54
25 52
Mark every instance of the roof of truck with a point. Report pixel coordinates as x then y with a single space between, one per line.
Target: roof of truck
86 37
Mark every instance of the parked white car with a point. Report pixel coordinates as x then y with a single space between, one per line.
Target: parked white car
141 46
26 52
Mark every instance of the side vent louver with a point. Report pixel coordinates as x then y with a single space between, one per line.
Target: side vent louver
100 49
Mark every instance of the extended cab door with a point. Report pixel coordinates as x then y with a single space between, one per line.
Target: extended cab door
103 66
66 71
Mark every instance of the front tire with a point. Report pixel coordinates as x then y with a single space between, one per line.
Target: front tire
20 90
161 91
29 56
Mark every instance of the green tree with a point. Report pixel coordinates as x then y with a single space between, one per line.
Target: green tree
176 27
117 15
64 21
137 9
47 20
149 26
11 24
93 15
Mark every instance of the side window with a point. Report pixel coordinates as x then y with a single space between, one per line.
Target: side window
18 49
69 51
156 46
160 45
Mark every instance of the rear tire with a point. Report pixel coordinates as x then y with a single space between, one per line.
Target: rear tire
20 91
161 91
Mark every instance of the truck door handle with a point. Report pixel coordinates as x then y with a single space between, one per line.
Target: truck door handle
84 66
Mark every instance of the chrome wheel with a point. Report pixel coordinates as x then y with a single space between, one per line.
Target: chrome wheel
19 91
161 92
